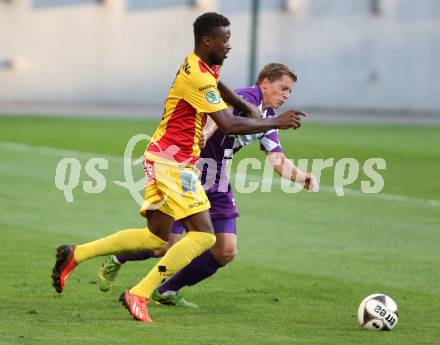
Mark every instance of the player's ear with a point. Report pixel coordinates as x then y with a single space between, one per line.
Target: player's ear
265 83
207 41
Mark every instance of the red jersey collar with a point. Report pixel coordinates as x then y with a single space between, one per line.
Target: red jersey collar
215 70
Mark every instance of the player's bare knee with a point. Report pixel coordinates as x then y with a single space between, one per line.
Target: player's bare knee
230 254
224 255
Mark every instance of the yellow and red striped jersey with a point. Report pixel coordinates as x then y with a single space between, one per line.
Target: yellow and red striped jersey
193 94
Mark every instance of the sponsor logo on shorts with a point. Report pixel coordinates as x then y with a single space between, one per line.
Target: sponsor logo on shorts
198 203
188 179
212 97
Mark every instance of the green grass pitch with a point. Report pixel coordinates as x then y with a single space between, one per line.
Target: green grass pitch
305 260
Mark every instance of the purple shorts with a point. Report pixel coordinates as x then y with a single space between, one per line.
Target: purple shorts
222 205
221 225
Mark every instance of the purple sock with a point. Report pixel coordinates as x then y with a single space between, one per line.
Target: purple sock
200 268
123 258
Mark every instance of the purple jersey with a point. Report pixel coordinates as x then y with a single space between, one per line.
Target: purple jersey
221 148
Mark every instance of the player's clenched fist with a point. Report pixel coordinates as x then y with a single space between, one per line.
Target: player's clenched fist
290 119
311 183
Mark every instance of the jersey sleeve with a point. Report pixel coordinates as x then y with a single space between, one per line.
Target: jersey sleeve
270 142
248 96
204 96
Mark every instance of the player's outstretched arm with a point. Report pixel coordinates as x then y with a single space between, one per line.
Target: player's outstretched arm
285 168
230 97
230 124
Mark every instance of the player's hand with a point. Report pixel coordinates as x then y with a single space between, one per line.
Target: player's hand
311 183
290 119
202 140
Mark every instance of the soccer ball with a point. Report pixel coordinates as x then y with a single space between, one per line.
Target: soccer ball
378 312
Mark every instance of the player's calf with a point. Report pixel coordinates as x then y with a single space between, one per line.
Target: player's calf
225 248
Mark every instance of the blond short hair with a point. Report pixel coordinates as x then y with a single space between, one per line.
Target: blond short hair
275 71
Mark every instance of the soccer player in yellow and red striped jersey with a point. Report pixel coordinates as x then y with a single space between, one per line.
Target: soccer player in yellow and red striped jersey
193 95
173 190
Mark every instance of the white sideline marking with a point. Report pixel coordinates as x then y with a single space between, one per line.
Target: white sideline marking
62 153
355 192
54 151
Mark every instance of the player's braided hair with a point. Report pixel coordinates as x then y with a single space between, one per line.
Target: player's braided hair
275 71
207 23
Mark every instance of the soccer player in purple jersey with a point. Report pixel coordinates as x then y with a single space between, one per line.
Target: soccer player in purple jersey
273 87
